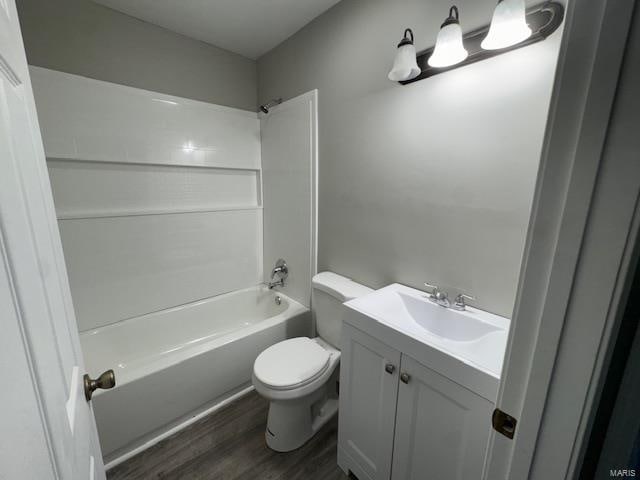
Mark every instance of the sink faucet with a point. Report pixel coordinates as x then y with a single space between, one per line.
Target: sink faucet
282 271
437 296
441 298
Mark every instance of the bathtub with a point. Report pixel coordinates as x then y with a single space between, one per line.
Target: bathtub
175 365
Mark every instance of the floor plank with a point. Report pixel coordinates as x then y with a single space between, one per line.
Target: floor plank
230 445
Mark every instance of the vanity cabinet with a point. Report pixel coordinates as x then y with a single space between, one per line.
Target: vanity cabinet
441 427
401 420
368 397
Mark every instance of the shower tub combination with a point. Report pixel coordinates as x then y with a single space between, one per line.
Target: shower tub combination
176 365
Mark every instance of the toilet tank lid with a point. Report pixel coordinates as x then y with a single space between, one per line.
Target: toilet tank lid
342 288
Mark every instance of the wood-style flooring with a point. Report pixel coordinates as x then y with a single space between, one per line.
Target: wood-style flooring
228 445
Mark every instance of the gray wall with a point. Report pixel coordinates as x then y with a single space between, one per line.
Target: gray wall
428 182
81 37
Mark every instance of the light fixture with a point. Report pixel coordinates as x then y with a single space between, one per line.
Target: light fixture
449 49
508 25
405 66
512 27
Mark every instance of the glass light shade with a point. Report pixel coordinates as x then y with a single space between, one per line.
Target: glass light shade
508 25
449 49
405 66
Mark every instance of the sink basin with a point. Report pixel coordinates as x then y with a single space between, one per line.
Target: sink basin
454 325
474 337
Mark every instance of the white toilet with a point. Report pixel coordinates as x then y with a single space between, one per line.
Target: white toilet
300 375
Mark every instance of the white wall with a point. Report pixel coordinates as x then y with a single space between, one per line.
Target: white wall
158 197
289 165
427 182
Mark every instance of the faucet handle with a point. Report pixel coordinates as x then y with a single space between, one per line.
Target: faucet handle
281 268
460 303
434 288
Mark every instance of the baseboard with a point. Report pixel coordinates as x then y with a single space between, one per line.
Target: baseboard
146 442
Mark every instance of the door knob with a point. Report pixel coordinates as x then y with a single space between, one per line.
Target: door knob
104 381
405 377
389 368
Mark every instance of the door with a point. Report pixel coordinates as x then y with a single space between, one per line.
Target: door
48 429
441 427
368 394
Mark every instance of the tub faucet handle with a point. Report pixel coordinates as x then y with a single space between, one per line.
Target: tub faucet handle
280 268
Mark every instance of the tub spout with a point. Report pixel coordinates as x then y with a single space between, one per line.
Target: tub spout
281 271
278 283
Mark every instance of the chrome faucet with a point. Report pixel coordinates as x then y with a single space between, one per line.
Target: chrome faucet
282 271
438 296
459 303
441 298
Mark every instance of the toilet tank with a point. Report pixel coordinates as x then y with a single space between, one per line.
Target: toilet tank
330 291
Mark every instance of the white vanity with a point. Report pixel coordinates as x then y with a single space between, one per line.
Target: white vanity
418 384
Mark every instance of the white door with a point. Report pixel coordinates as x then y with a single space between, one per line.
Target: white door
368 394
48 429
441 427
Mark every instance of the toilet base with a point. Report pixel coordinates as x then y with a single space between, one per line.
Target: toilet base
291 423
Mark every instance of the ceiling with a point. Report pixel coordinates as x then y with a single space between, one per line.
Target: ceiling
247 27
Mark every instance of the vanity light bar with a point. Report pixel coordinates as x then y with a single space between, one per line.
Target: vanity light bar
543 19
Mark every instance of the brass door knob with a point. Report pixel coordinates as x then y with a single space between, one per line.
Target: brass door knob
104 381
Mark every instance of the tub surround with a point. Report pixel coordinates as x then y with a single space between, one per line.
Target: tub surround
155 195
92 120
289 179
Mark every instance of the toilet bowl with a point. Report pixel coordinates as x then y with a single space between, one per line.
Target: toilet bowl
299 376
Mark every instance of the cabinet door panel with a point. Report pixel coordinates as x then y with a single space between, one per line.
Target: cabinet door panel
368 394
441 428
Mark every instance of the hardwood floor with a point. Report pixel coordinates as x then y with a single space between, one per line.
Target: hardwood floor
229 445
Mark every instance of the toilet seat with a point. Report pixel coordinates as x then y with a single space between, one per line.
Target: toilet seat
291 364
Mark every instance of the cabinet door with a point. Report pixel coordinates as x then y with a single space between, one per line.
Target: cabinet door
368 394
442 428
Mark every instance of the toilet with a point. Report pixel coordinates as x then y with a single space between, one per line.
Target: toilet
299 376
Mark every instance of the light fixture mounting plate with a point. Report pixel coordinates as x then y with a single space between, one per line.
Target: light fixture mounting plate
543 19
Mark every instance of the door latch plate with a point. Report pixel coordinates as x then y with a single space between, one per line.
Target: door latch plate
503 423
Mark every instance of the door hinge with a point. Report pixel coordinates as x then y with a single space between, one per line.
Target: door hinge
503 423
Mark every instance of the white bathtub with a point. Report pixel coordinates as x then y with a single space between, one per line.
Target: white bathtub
173 365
